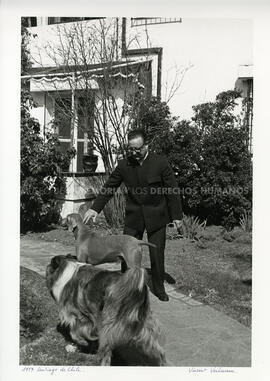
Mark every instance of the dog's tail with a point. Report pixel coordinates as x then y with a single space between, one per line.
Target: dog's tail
129 297
147 244
131 283
128 323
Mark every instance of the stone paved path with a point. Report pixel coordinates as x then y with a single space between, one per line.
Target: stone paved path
197 335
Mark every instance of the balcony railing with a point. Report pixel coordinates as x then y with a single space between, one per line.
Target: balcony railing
142 21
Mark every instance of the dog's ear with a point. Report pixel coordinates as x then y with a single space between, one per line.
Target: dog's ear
57 261
70 256
63 223
72 223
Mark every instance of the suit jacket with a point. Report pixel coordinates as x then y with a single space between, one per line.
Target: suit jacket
152 197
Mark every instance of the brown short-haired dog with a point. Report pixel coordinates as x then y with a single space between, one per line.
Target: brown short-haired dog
109 306
95 249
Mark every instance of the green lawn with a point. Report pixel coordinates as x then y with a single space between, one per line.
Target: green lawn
215 271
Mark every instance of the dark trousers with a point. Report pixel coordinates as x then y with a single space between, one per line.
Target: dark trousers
156 255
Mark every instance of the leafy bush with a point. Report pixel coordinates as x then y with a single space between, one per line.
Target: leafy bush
192 227
225 169
246 221
224 179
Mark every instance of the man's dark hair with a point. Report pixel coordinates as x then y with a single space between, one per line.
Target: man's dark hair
137 133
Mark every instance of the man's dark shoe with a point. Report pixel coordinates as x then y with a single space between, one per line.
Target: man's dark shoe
169 279
163 297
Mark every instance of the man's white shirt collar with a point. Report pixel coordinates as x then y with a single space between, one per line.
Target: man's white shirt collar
144 158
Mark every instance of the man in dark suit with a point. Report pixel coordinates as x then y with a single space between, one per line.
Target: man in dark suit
152 201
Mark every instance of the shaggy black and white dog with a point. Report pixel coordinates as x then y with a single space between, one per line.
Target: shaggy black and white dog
109 306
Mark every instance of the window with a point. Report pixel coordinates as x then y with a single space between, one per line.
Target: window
63 117
85 113
29 21
33 21
74 121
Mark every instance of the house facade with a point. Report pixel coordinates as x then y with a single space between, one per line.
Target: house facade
70 63
85 73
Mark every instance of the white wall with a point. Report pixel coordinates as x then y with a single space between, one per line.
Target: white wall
215 48
47 38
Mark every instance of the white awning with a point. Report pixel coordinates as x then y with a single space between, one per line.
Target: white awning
61 80
62 83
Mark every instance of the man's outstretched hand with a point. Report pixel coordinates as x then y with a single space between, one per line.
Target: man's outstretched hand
178 225
90 214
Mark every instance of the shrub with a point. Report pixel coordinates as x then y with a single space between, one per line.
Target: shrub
224 178
246 221
192 227
210 158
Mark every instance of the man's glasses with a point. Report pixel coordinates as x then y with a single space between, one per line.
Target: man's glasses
134 149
